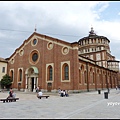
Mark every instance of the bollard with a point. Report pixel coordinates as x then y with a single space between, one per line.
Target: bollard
99 91
106 95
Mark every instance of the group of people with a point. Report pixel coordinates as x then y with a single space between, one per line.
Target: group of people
118 87
63 93
11 94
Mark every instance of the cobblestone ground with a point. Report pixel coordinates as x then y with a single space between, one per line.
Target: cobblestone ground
78 105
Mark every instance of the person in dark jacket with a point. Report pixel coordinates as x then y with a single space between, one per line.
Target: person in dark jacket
10 93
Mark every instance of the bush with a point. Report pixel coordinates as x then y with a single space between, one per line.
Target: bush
6 81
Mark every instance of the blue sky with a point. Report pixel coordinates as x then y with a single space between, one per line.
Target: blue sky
111 13
65 20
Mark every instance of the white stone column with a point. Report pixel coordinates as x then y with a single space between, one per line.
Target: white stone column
29 84
26 84
37 81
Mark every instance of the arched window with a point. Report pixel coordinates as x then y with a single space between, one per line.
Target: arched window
98 77
11 74
85 77
50 72
93 78
65 72
20 75
80 77
82 73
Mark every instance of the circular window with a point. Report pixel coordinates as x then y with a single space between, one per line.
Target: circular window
50 45
12 61
21 52
34 42
35 57
65 50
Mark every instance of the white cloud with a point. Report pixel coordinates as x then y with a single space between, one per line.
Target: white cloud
103 5
108 29
56 17
119 13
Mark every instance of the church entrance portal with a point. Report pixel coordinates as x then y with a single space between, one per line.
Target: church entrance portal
31 79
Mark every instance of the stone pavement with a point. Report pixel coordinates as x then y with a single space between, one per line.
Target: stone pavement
85 105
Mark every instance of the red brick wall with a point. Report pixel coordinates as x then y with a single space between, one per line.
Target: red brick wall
53 56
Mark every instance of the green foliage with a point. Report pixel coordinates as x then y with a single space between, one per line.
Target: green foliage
6 81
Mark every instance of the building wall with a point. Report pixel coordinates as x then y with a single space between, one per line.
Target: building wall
3 69
56 53
97 48
96 77
2 73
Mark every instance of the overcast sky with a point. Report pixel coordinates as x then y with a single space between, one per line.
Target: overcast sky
65 20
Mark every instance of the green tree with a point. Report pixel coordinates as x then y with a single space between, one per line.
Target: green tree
6 81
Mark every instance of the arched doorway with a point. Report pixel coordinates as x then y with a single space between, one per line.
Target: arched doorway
31 79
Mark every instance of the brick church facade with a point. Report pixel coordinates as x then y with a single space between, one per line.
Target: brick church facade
51 63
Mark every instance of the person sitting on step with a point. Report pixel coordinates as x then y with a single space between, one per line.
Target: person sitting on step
39 93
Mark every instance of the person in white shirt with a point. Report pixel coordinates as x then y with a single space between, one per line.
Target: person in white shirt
61 93
39 93
64 93
13 94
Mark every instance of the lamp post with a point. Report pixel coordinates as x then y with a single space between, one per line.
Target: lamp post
108 86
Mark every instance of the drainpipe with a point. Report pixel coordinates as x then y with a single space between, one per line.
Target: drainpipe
111 79
106 80
87 77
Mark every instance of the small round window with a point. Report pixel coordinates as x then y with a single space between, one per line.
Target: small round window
65 50
34 42
12 61
21 52
50 45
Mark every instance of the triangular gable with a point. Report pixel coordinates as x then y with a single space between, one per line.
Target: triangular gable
44 37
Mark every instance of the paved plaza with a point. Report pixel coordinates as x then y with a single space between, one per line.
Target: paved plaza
78 105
